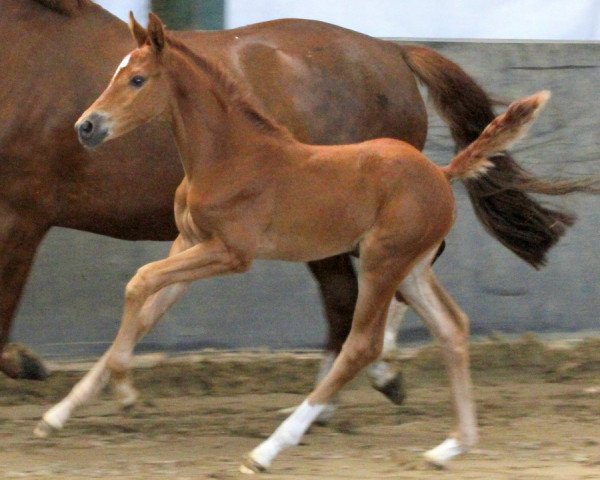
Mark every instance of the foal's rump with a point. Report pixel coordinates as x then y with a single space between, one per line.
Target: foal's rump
419 199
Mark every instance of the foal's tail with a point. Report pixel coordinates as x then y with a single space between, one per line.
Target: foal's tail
501 198
475 160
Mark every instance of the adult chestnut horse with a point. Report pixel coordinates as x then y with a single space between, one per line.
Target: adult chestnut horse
253 191
326 84
48 179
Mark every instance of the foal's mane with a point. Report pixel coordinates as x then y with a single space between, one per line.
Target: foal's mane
234 93
66 7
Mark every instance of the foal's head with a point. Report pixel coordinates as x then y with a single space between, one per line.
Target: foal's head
138 92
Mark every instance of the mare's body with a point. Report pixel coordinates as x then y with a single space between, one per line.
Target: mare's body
328 85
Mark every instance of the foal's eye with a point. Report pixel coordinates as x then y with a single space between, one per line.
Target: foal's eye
137 81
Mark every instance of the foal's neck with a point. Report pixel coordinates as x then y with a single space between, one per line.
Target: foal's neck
212 128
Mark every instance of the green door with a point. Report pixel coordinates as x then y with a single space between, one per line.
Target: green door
191 14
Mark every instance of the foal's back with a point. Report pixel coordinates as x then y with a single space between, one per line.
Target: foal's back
331 197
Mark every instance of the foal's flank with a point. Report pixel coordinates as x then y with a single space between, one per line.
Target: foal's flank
253 191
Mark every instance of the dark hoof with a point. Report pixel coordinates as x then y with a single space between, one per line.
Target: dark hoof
20 362
393 389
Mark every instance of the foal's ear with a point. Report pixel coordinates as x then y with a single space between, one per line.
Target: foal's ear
156 33
139 33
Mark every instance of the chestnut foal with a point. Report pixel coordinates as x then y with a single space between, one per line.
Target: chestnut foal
252 191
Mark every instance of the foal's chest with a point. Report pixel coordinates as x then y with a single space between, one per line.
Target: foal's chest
221 209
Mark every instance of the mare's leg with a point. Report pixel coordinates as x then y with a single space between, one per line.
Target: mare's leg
449 324
148 295
339 290
378 279
19 240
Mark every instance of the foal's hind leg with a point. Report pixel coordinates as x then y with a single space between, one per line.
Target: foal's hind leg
450 326
149 294
385 378
378 280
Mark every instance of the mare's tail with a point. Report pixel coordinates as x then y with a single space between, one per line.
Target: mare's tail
501 198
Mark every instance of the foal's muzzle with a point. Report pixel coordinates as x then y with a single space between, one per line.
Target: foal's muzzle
92 130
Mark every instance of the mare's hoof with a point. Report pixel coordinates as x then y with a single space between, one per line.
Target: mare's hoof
393 389
18 361
44 430
250 466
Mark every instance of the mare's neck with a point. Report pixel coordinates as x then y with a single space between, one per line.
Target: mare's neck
210 130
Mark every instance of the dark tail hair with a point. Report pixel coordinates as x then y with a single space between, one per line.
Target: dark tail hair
501 198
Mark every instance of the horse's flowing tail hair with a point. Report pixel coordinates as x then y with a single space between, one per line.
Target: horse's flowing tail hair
502 197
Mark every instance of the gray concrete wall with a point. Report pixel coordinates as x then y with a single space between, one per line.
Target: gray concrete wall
73 301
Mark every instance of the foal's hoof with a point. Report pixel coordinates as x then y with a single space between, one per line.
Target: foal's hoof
439 456
44 430
250 466
18 361
393 389
326 415
127 396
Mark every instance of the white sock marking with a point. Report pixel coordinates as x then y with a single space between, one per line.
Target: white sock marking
445 452
287 434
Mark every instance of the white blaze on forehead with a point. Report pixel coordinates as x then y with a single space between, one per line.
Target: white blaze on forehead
123 64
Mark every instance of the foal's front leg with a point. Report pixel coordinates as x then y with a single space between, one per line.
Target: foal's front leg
148 295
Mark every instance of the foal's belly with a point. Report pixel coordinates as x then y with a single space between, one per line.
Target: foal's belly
296 248
312 230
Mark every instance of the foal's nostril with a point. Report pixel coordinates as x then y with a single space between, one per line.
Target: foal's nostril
86 128
92 130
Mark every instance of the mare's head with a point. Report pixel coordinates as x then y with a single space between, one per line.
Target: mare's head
138 92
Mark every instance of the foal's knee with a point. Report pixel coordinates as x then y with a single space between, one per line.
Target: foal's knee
139 286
